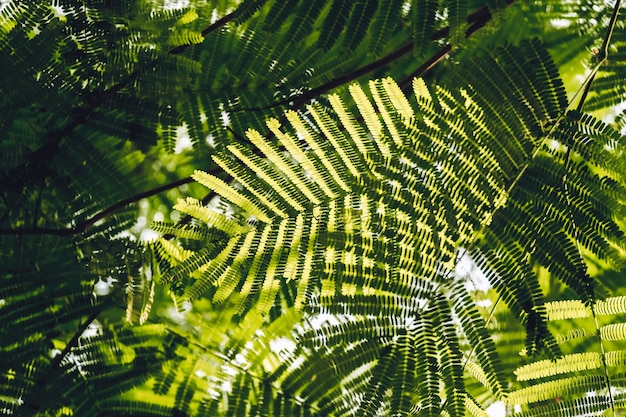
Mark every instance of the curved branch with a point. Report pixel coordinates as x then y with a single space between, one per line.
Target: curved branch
218 24
602 56
477 21
87 224
32 399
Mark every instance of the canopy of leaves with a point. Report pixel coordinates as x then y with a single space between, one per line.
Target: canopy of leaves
332 208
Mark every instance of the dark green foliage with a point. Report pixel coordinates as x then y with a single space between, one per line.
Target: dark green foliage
322 273
423 21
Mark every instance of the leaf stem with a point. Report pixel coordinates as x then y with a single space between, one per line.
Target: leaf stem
218 24
601 58
73 342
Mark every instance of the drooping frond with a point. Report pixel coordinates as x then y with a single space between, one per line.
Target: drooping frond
385 21
423 22
457 12
484 363
42 367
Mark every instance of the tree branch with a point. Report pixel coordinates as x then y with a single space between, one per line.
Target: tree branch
32 401
73 342
436 58
218 24
87 224
477 21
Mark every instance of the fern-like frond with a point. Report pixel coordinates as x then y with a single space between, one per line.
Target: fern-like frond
570 378
390 229
423 15
385 21
360 19
611 305
550 390
567 309
324 277
457 15
574 362
485 364
335 22
371 225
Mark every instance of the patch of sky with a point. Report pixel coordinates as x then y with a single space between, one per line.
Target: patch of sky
175 4
474 278
183 141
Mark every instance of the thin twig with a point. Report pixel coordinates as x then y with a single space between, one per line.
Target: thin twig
435 59
215 26
474 347
31 402
73 342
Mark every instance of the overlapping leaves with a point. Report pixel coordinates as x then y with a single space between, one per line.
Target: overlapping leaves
369 220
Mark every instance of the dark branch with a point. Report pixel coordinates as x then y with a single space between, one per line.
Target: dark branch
32 401
426 66
604 49
73 342
218 24
87 224
477 21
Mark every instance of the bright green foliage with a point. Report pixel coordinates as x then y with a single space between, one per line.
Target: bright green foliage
577 374
368 163
376 245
